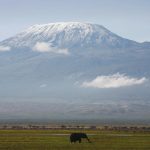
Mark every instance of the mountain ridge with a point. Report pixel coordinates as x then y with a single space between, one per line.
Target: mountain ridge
69 35
52 68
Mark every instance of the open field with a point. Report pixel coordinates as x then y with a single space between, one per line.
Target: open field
59 140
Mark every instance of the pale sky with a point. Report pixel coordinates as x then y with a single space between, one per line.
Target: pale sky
127 18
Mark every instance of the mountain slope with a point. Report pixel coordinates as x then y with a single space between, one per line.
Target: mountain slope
50 63
69 34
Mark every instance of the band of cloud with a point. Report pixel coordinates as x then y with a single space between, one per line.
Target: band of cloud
113 81
4 48
45 47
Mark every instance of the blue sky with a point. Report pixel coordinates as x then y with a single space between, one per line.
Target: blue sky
127 18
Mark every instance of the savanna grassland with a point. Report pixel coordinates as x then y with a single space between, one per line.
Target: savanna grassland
59 140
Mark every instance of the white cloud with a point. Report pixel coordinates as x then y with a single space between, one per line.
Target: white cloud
62 51
4 48
113 81
46 47
43 85
41 47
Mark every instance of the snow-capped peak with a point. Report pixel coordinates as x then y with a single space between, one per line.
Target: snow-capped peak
67 35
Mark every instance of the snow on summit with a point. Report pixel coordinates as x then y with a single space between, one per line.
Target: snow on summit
67 35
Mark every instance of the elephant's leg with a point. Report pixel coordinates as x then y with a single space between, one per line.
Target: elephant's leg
79 140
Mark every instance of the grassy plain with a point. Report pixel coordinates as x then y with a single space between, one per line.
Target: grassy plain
59 140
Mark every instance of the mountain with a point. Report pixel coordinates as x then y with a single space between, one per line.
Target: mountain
70 34
81 65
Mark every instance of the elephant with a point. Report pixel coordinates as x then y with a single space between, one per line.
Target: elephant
77 137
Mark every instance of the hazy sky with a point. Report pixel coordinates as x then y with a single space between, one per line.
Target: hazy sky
127 18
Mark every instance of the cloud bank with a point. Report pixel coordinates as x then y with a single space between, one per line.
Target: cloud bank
113 81
45 47
4 48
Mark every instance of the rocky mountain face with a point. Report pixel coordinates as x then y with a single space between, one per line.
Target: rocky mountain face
69 35
51 63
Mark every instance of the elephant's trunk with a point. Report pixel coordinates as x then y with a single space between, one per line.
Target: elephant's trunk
88 140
